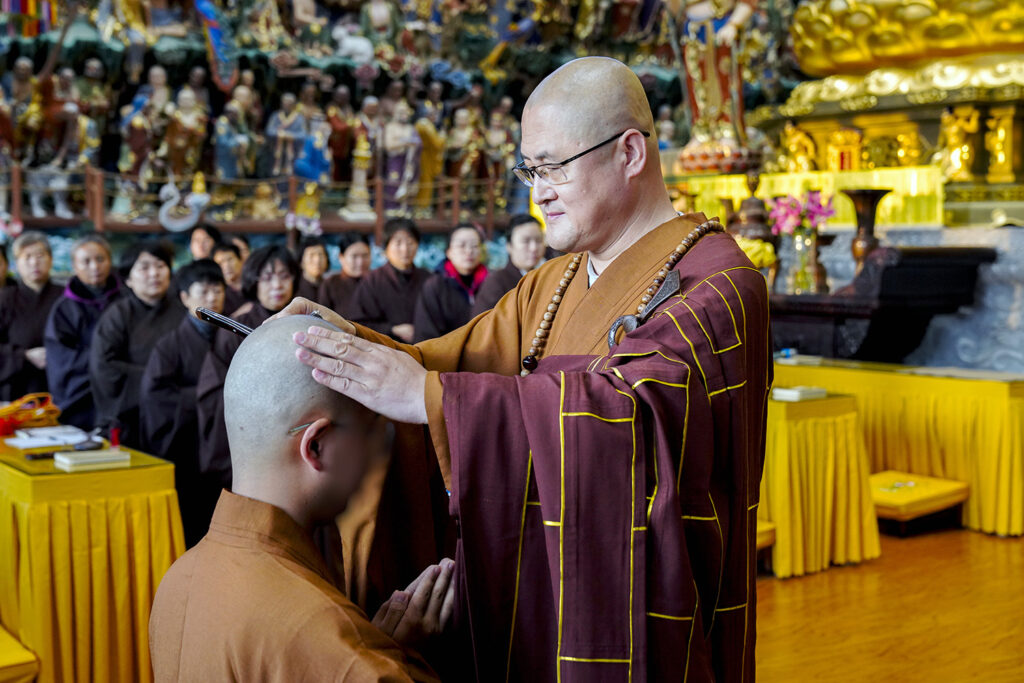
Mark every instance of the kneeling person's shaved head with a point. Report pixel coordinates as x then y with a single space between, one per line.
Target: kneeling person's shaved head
294 443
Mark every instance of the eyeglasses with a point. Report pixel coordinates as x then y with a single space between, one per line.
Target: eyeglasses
554 174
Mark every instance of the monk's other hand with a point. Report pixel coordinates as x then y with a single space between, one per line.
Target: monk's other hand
300 306
386 381
423 609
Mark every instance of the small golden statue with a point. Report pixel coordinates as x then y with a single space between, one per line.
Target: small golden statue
799 150
266 203
999 143
956 149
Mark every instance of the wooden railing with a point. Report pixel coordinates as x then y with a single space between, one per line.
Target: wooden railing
102 198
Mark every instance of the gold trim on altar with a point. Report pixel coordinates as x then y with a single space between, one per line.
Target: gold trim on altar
847 36
916 200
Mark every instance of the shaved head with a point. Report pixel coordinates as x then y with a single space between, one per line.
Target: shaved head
589 125
592 98
268 391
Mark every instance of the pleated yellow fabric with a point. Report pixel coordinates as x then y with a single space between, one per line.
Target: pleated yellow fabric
17 665
81 555
815 487
962 428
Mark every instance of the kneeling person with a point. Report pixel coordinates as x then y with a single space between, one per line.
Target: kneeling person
255 599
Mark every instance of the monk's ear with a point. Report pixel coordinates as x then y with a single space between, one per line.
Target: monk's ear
634 145
311 444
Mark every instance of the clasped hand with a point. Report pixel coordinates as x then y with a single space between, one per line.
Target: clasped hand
423 609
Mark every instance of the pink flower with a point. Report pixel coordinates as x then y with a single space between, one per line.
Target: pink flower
816 212
785 215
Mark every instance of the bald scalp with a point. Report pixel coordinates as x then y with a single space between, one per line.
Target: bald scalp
594 97
267 391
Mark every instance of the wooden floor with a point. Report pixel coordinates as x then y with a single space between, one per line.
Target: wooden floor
939 607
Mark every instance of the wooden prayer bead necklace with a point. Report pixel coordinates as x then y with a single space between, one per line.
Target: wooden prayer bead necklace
540 337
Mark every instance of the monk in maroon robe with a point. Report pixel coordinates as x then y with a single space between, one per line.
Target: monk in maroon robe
603 459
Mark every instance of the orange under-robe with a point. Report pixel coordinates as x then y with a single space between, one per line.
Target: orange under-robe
717 337
255 601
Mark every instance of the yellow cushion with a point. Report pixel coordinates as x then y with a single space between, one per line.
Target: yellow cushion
765 534
902 496
17 664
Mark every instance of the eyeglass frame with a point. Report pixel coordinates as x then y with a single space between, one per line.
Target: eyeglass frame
521 169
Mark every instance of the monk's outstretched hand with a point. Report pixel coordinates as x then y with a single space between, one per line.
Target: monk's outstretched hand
300 306
423 609
386 381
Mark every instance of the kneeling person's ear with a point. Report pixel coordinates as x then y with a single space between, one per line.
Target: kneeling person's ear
309 448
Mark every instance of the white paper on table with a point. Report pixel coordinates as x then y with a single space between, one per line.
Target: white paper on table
46 437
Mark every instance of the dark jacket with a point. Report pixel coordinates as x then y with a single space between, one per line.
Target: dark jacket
125 335
445 301
386 297
338 293
68 337
23 313
214 454
170 422
497 285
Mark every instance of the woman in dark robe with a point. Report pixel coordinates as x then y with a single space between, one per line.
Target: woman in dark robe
126 334
446 298
386 298
70 327
313 261
269 280
525 246
338 291
23 311
170 426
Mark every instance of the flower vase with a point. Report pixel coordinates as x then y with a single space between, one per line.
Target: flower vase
804 276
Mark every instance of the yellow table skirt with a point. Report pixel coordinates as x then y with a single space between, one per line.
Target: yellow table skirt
17 665
961 428
815 487
81 555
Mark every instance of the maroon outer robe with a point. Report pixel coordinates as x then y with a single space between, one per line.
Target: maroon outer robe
607 502
608 520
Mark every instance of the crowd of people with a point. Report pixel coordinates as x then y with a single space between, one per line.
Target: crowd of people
121 348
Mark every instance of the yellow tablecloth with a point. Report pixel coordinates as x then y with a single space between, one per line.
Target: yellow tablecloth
81 555
815 486
17 665
968 429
